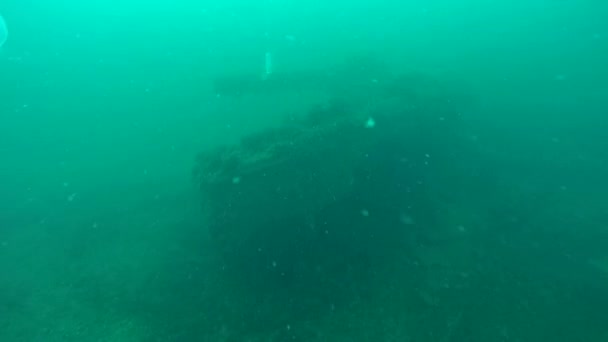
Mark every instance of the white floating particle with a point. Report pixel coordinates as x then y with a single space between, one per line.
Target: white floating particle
370 123
236 180
274 264
364 213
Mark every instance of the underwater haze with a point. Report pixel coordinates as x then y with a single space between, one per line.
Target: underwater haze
304 171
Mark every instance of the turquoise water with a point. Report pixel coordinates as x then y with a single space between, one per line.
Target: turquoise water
416 171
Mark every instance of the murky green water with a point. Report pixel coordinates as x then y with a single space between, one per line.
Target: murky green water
419 171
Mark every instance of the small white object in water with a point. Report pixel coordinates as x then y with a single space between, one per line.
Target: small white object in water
236 180
370 123
365 213
3 31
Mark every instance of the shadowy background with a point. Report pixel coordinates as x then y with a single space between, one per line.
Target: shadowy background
105 104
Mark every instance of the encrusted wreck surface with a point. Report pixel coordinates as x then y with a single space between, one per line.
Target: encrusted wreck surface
331 189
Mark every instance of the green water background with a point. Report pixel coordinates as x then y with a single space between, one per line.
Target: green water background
104 105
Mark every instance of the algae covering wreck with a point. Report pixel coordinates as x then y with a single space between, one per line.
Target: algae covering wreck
296 207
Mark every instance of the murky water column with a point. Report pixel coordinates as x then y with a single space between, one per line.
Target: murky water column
3 31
